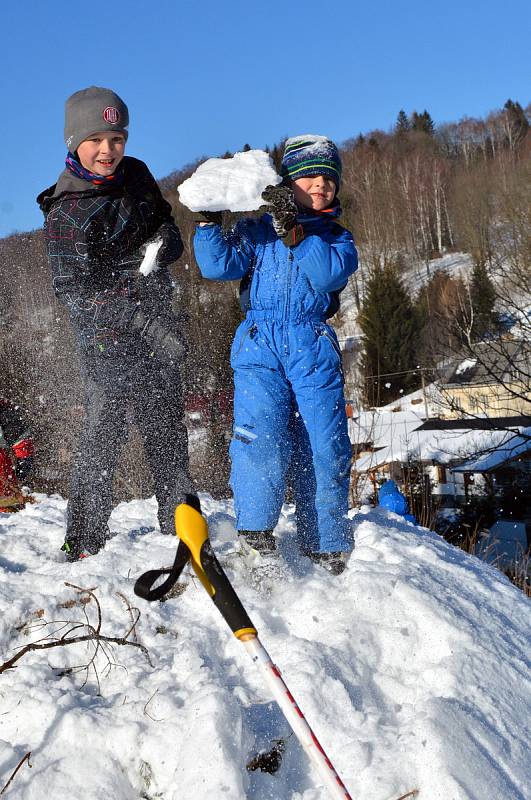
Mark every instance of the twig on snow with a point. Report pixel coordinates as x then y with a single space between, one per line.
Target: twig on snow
24 758
94 634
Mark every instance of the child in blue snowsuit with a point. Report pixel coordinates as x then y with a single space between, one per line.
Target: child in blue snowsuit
292 262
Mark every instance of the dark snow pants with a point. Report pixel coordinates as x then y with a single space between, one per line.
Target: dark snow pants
154 395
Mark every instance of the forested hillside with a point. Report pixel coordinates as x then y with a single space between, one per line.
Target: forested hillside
410 195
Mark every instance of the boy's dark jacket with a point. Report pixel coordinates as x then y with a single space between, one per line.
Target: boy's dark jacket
94 238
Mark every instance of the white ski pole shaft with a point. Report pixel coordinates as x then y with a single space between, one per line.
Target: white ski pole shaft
295 717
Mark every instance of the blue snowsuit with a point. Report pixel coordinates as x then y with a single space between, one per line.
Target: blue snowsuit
285 357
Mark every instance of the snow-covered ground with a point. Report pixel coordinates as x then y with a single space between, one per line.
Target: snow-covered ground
412 667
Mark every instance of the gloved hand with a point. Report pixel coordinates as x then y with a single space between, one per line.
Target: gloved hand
281 205
161 335
170 249
210 217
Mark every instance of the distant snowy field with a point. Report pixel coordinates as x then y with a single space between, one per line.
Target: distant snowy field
412 668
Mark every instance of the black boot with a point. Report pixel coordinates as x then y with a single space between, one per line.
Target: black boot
332 562
262 541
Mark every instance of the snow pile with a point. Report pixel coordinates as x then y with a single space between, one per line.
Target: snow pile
233 184
412 668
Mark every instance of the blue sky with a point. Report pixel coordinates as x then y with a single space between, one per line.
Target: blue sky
207 76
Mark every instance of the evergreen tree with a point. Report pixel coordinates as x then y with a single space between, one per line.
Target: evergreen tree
403 124
517 118
422 123
276 156
482 299
390 330
246 148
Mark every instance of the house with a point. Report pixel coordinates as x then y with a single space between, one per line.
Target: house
494 379
506 472
423 455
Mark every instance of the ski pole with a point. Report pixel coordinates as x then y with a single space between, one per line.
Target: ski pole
194 544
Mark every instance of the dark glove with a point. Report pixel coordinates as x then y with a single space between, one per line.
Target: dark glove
161 335
212 217
281 205
283 209
171 247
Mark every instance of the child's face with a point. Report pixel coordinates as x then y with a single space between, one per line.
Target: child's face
102 152
316 191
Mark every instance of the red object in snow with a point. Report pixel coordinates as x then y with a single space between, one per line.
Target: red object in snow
16 452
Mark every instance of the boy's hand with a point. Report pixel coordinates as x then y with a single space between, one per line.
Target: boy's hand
282 207
171 245
207 217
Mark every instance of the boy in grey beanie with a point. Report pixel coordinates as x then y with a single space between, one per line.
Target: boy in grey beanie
99 217
94 110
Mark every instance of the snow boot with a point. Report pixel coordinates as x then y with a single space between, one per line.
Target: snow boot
332 562
74 551
263 566
262 541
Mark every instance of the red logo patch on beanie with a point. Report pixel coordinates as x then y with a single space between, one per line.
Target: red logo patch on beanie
111 115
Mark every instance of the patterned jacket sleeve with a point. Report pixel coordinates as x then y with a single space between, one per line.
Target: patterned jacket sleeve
172 246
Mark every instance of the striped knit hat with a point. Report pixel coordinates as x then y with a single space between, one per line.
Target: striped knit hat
311 155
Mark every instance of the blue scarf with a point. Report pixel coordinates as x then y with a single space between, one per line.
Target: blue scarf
74 166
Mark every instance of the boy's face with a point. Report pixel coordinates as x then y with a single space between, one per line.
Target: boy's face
315 191
102 152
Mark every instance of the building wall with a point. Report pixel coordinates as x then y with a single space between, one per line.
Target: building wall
494 400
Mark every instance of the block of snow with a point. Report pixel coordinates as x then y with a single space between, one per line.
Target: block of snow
229 184
149 262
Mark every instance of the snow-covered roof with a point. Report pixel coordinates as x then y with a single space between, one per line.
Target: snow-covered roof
417 401
507 450
402 436
490 363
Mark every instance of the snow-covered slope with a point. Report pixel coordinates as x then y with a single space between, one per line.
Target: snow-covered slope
412 667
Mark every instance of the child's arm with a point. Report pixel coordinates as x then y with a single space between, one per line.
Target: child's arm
220 257
172 246
327 265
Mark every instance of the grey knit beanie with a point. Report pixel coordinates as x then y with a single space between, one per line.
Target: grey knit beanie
93 110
